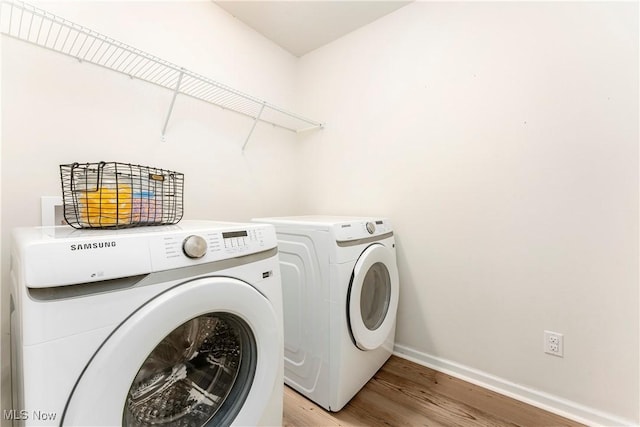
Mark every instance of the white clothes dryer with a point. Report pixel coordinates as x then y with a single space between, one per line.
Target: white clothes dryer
340 286
175 325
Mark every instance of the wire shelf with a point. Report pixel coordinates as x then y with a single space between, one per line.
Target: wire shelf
36 26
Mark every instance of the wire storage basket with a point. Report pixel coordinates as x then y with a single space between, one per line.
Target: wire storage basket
120 195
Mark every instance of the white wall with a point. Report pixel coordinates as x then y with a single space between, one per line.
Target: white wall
56 110
502 140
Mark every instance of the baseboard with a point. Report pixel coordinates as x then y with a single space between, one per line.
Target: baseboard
548 402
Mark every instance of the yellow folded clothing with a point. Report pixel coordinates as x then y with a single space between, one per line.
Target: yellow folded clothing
107 206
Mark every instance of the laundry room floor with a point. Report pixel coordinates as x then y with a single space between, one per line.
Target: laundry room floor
404 393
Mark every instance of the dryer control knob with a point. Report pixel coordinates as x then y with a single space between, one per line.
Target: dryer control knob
371 227
194 246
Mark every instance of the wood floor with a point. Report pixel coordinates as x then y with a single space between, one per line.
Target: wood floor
403 393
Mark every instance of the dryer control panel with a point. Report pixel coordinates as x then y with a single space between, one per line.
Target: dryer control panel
355 230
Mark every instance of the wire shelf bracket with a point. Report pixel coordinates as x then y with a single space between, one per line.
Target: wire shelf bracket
173 101
25 22
253 126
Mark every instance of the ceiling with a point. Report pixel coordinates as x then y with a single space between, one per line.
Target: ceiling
302 26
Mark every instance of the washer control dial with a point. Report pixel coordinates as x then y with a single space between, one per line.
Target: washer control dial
371 227
194 246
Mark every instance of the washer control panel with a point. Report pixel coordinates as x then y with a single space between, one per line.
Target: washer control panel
83 256
176 250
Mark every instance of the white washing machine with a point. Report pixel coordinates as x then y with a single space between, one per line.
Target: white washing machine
176 325
340 286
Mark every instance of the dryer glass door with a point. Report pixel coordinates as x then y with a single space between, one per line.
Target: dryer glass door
205 352
373 297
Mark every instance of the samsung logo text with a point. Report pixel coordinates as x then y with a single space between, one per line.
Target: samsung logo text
93 245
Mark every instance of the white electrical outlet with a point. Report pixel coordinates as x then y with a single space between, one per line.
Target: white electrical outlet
553 343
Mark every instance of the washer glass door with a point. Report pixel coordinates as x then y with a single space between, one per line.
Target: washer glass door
373 297
204 352
200 373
